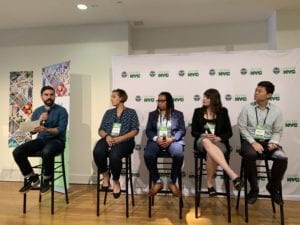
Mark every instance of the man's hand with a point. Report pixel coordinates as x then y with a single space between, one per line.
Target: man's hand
40 129
272 146
43 116
257 147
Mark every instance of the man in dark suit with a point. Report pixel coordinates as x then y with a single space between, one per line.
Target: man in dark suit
165 130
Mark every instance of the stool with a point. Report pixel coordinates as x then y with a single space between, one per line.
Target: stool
199 156
127 171
165 154
265 174
61 173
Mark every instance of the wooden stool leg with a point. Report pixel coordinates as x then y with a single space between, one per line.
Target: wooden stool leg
281 208
98 193
200 181
268 171
24 199
246 193
239 192
52 194
130 180
64 177
180 198
126 186
149 198
227 187
196 186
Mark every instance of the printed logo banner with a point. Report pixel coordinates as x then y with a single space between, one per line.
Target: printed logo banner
58 76
235 75
20 106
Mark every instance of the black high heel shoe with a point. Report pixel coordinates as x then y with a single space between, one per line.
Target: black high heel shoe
117 195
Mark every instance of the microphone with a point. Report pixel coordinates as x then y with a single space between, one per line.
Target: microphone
47 109
164 137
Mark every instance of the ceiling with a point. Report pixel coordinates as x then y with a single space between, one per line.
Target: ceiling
152 13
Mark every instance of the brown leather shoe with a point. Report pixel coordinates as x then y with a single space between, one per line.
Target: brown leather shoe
175 190
155 188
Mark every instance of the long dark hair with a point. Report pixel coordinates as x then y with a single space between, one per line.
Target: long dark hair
215 100
170 105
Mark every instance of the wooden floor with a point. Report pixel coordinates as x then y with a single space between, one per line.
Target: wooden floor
82 209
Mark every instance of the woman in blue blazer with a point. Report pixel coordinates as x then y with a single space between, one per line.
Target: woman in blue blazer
165 130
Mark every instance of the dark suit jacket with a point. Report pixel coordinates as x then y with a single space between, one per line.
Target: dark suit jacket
177 126
223 126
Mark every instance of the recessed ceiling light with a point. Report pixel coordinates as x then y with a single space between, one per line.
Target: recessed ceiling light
82 6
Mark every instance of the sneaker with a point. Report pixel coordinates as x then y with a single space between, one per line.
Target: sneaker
252 197
45 187
31 182
238 183
276 196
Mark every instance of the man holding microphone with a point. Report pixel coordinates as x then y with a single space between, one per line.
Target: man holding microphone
50 141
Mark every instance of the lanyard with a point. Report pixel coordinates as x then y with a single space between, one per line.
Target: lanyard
161 120
117 119
265 117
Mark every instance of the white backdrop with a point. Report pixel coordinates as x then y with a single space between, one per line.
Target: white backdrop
235 75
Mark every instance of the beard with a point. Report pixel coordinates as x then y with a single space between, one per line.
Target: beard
49 102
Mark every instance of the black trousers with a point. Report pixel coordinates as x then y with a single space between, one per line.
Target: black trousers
250 156
117 152
49 149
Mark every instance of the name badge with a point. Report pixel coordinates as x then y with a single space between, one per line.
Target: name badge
163 131
211 127
116 129
260 132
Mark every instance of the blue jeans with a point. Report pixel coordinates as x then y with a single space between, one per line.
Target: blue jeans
150 156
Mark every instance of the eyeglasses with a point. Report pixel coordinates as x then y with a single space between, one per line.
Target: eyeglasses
161 100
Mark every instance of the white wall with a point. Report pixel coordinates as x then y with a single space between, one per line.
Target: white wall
272 32
90 49
288 29
219 37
